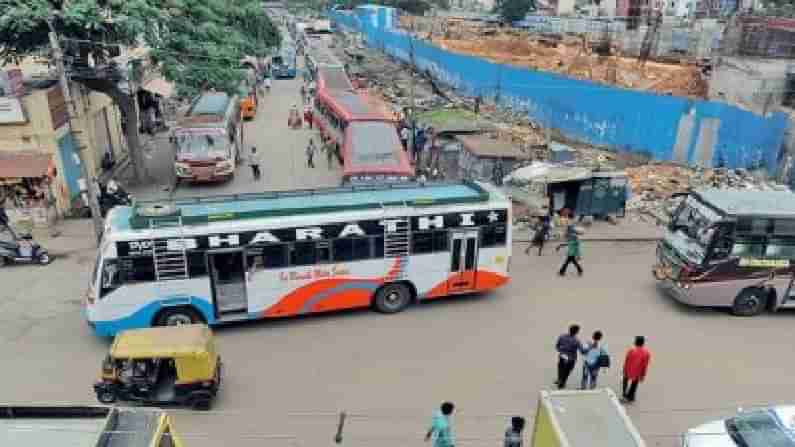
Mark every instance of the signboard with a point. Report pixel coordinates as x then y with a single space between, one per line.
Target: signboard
360 228
15 86
11 111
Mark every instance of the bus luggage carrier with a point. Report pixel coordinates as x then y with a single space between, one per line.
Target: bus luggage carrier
204 210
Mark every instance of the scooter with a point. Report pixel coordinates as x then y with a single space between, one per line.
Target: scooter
21 249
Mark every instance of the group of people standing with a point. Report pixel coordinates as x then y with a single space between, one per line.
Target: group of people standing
422 135
596 357
569 347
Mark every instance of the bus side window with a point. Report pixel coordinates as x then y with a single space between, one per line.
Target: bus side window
302 253
197 264
780 248
749 246
274 256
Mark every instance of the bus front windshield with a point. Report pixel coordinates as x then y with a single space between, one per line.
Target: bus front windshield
201 146
692 228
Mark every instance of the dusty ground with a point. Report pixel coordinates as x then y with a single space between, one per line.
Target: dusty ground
569 58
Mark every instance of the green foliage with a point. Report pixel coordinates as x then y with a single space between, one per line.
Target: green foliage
513 10
199 43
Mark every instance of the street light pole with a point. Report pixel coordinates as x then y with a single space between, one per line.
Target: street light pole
72 112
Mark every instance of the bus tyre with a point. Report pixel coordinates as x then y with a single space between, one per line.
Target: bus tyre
749 302
177 317
201 401
392 298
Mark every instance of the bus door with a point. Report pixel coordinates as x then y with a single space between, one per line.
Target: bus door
463 261
228 281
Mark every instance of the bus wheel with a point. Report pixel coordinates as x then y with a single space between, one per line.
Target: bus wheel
178 316
749 302
392 298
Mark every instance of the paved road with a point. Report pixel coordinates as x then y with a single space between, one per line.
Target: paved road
284 153
491 354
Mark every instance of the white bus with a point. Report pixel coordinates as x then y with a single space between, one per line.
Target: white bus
232 258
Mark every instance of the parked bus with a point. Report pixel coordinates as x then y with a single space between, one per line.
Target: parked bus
365 135
230 258
283 65
208 139
730 249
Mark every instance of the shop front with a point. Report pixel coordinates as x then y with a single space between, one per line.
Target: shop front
26 181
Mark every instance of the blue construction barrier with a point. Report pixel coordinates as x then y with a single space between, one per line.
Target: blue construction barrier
668 128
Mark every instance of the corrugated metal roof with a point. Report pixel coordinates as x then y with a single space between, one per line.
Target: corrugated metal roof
335 78
23 164
485 146
130 428
49 432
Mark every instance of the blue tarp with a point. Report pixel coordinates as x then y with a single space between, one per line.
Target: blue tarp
599 114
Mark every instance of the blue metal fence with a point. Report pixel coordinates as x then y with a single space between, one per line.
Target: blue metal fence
663 127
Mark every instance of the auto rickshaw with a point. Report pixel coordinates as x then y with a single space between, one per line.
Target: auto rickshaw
162 366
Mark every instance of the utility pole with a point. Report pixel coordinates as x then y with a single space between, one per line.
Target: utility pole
412 98
72 112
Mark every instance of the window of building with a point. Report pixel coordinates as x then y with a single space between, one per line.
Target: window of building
303 253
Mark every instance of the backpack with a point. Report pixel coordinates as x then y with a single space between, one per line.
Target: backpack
603 361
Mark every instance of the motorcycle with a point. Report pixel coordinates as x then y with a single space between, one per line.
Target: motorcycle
20 249
108 196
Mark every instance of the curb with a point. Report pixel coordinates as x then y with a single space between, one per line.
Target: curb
615 239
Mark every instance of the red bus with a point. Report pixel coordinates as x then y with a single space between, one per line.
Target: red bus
365 136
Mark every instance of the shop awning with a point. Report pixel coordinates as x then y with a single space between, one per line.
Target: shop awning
14 165
159 86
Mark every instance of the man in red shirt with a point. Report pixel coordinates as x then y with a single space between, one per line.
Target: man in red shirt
635 365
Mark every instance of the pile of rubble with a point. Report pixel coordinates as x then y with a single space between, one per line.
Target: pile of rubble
574 57
654 184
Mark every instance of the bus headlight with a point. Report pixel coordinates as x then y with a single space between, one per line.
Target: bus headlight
223 166
183 169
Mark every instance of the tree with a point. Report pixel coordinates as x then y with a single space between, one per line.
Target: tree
513 10
198 43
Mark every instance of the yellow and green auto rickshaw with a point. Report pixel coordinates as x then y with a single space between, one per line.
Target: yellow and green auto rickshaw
162 366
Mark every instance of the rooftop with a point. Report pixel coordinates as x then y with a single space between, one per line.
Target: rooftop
210 104
592 419
48 432
246 206
377 143
161 342
749 203
488 147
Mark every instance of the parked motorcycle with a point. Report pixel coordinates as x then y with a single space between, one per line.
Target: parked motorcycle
20 249
108 196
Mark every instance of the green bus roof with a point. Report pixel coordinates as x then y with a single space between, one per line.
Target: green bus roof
197 211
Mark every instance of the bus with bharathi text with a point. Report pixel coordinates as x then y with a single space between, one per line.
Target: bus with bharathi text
730 249
266 255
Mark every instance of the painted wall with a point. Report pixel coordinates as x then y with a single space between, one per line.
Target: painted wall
663 127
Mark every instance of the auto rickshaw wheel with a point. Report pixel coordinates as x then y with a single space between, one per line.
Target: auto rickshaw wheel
107 396
201 401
